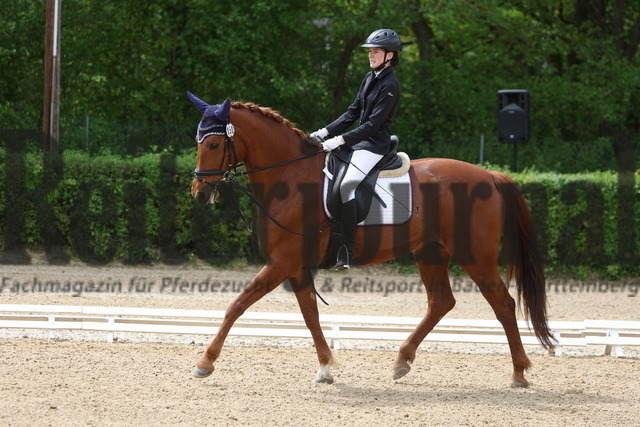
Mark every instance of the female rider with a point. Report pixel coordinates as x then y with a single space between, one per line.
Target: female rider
375 106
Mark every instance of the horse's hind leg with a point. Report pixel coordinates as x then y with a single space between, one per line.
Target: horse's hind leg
497 295
306 294
265 281
433 265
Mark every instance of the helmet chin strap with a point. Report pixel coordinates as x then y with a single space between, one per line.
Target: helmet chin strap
385 61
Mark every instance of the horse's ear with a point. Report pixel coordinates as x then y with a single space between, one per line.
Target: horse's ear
222 113
202 106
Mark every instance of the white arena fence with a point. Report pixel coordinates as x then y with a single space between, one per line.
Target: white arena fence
612 334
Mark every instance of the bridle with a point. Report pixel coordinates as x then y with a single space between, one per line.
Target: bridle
229 175
229 147
228 130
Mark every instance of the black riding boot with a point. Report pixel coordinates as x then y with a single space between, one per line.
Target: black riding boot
348 221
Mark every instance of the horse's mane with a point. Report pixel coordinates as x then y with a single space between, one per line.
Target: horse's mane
269 113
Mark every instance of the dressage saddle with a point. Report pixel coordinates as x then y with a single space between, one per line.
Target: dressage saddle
337 165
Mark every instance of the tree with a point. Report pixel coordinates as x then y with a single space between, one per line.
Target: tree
21 62
129 63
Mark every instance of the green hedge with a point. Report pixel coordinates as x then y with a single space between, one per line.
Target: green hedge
139 210
586 222
104 208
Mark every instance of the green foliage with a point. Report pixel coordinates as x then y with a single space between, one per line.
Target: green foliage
582 222
583 82
21 62
134 209
139 210
127 63
120 191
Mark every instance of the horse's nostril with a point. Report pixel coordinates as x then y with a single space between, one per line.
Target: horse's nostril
201 197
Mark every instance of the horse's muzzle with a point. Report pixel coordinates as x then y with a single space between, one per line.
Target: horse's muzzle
204 194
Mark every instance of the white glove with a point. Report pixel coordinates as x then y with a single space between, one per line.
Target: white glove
319 135
333 143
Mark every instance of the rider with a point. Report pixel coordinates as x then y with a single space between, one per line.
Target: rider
375 106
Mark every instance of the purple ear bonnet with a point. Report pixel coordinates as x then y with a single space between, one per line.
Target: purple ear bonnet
214 118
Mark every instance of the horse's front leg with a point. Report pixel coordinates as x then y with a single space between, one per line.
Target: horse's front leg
265 281
306 294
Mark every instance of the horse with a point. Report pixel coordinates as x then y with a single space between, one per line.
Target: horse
460 211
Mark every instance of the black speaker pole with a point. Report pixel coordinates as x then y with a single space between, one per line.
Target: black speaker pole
515 156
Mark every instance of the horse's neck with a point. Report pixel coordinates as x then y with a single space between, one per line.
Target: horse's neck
289 166
275 148
268 151
284 179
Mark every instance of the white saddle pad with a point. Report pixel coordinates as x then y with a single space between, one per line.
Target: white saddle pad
394 188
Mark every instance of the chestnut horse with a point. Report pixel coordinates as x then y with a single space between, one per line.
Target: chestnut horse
459 211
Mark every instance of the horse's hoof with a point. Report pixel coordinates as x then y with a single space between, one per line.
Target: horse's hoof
519 384
519 381
401 369
401 372
323 380
201 373
324 376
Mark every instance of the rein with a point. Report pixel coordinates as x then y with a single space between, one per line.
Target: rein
228 177
232 172
248 192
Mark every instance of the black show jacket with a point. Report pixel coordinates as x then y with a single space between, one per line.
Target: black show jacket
375 106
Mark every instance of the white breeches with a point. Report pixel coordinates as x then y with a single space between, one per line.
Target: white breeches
361 164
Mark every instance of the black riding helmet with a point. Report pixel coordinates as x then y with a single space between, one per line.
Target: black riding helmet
385 39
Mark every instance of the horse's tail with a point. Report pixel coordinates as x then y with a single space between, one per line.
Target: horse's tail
524 258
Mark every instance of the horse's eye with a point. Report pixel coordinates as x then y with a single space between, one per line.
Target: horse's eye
213 146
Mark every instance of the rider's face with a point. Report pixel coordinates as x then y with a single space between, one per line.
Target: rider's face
376 57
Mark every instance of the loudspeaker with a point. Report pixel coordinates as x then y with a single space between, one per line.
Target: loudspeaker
513 115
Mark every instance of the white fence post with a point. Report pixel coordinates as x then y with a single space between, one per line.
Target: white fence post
617 350
51 318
